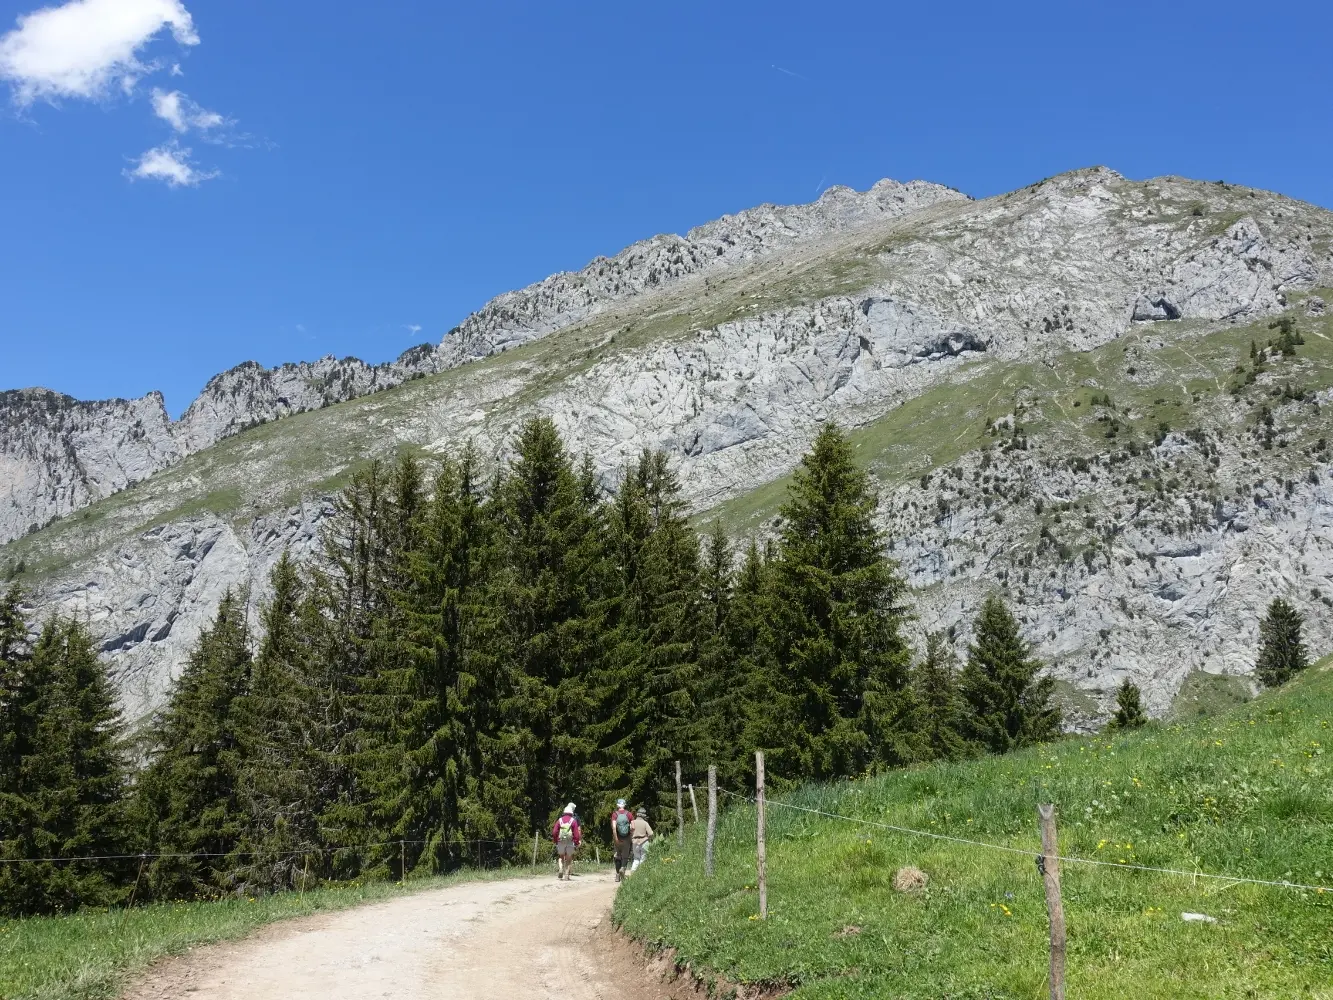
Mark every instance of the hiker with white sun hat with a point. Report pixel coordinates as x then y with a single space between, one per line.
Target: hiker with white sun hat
566 836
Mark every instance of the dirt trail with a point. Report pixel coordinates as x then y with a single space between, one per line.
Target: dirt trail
527 937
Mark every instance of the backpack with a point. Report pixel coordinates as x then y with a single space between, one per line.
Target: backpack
566 829
622 823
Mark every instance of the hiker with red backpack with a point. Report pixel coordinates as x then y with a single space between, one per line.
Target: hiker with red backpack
621 821
566 836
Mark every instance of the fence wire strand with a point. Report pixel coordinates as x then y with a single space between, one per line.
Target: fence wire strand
259 854
1233 879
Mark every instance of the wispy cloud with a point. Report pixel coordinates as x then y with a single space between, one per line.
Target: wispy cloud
183 114
87 48
413 328
171 164
782 69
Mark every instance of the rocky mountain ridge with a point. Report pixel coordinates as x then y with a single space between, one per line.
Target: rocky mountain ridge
61 454
939 334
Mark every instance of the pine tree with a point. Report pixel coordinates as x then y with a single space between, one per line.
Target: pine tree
648 698
1007 704
1281 652
939 706
65 794
191 787
1128 707
282 779
721 673
835 619
549 590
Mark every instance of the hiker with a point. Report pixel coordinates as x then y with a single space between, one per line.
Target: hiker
566 836
641 834
621 821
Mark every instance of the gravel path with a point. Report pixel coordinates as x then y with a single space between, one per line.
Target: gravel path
528 937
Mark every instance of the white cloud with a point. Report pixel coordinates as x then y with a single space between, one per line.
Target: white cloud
87 48
413 328
171 165
183 114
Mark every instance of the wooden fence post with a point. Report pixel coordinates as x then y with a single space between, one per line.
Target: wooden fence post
1049 863
712 820
536 839
694 804
761 853
402 860
680 811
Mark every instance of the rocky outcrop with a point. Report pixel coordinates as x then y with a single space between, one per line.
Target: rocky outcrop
58 454
251 394
562 299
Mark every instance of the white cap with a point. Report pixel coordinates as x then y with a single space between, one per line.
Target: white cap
569 809
620 803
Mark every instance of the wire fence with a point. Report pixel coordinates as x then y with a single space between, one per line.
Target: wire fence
1064 859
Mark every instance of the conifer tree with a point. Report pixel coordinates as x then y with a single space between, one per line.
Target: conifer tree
191 786
939 706
647 701
282 777
13 634
1007 704
834 620
65 795
721 671
1281 651
550 588
1129 712
444 800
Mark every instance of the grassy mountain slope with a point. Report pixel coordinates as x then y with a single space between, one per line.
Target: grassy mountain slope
1247 793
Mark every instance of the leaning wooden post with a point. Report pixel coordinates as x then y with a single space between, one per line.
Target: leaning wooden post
761 853
680 811
712 820
1049 863
694 804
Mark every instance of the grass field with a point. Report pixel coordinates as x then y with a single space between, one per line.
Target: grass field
1246 793
87 956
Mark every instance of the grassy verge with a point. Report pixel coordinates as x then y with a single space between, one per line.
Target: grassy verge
1247 793
87 956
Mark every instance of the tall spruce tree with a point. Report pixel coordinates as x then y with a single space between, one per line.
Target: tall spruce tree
452 703
1128 707
835 617
550 587
647 697
1281 651
282 779
191 788
1008 705
65 794
938 703
721 672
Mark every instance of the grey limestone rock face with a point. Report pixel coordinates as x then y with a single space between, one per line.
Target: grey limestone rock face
149 599
554 303
251 394
58 454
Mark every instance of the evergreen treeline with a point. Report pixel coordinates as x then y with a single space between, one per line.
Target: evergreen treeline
472 651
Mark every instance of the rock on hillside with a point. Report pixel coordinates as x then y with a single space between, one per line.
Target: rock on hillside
562 299
58 454
251 394
911 327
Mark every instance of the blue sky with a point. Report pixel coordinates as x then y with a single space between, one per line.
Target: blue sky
358 171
